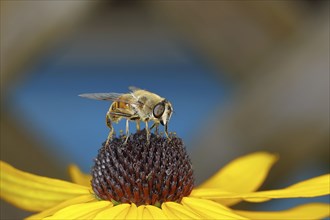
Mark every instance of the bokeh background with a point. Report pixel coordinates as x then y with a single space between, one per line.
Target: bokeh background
242 76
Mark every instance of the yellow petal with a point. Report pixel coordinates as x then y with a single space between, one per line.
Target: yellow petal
244 174
35 193
79 177
209 209
175 210
140 210
111 213
318 186
51 211
170 213
123 214
307 211
132 212
79 211
92 214
155 212
146 214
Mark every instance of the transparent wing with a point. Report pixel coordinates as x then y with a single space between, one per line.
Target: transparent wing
134 88
123 112
103 96
120 97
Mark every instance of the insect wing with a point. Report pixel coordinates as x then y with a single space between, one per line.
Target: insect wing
120 97
128 113
102 96
134 88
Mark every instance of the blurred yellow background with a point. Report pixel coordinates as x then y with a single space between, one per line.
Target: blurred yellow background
274 55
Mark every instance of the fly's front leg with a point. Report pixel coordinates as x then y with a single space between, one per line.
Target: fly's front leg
127 131
166 132
156 128
109 124
155 125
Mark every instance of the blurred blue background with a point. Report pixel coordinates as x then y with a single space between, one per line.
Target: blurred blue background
242 77
47 106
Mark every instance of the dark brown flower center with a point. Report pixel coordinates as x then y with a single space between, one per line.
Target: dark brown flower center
141 172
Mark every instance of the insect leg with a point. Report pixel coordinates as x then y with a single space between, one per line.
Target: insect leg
109 124
156 128
166 132
108 120
155 125
127 131
137 125
148 132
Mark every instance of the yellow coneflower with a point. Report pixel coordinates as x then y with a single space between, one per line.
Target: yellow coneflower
155 180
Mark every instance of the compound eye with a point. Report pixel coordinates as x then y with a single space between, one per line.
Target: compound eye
159 110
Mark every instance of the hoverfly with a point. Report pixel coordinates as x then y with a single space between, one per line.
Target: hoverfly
138 105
